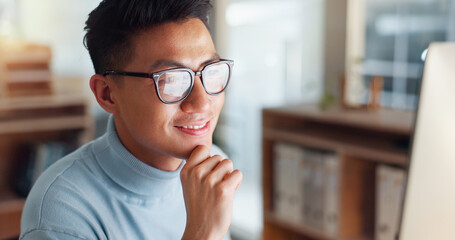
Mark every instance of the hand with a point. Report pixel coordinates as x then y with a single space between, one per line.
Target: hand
209 184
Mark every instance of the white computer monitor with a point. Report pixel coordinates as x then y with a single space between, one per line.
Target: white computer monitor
429 202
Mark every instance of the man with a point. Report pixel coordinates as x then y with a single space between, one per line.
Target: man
158 74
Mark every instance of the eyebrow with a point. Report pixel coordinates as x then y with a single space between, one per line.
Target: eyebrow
172 63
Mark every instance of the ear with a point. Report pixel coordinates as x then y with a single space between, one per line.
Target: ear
103 93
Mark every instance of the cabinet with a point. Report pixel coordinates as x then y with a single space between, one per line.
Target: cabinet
360 139
62 117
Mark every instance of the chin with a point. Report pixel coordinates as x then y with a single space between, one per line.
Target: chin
188 149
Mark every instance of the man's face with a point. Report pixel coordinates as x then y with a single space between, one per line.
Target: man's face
154 131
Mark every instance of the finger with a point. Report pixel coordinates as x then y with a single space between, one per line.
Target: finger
224 167
206 166
199 154
233 179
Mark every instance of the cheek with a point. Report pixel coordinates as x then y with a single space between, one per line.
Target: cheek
152 126
144 112
155 117
219 102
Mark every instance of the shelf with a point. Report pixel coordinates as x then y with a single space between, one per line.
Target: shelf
10 214
271 217
33 102
44 124
44 113
63 116
362 140
384 120
347 145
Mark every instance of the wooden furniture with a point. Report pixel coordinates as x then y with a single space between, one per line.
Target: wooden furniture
361 140
64 116
25 69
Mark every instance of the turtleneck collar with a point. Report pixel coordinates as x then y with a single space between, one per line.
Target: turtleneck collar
131 173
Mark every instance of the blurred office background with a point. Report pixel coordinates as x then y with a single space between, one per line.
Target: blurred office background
285 52
296 51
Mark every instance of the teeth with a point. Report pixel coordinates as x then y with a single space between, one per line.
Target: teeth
195 127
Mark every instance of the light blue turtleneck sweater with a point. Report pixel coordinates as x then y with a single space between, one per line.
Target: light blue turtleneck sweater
101 191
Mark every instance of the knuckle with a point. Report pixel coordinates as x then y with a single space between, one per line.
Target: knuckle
211 180
198 172
223 190
228 163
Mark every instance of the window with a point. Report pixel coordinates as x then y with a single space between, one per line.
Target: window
397 33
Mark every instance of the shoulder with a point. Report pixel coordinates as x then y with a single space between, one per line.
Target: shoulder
54 201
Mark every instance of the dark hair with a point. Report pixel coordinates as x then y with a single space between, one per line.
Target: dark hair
113 23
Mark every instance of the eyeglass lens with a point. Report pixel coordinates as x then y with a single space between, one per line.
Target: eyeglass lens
174 85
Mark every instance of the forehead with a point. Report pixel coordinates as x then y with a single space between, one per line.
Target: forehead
188 42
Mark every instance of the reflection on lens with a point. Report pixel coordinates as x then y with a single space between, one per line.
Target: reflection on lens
215 77
174 85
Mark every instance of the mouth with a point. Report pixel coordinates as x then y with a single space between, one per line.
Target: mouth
195 129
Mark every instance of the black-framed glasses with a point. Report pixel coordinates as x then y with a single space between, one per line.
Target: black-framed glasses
174 85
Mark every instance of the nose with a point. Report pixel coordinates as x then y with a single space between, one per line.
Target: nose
198 101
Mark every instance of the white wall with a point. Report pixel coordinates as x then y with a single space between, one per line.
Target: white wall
59 24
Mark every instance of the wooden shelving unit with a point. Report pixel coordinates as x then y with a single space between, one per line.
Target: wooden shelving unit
361 139
64 116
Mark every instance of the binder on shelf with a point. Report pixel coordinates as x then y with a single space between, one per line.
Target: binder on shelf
287 193
307 188
304 178
321 191
331 194
318 191
279 192
313 189
37 158
389 194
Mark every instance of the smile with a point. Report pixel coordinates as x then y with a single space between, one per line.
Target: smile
195 126
195 129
